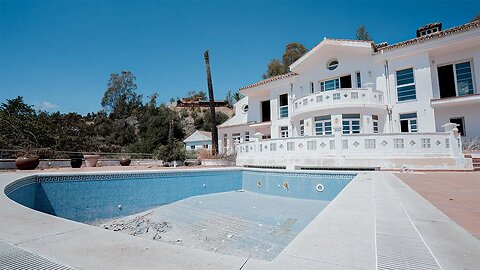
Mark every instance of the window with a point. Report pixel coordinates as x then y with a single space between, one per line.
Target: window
245 108
247 136
312 87
398 143
463 73
375 123
408 122
266 137
359 79
283 105
455 80
336 83
236 138
460 121
323 125
205 146
332 64
302 128
351 123
405 85
284 132
192 147
425 143
266 111
330 85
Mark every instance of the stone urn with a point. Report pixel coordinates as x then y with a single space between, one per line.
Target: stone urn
27 163
91 160
125 161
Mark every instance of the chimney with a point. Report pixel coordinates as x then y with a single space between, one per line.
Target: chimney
429 29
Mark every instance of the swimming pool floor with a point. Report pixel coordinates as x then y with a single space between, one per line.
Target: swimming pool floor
235 223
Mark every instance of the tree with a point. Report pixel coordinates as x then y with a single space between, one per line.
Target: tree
213 121
206 119
362 33
293 52
274 68
120 99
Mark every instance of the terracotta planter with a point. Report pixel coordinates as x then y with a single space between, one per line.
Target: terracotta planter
125 161
91 160
27 163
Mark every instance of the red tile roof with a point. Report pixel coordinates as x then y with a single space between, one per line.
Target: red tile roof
413 41
279 77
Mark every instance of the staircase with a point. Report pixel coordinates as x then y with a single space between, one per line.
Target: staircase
475 162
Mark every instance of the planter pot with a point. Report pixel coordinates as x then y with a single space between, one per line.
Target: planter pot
76 162
217 162
27 163
91 160
125 161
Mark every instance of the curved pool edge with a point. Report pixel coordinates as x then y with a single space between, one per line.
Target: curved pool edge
342 236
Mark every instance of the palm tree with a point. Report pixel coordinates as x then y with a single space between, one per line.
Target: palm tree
213 122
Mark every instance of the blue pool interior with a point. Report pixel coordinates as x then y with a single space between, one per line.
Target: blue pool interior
87 198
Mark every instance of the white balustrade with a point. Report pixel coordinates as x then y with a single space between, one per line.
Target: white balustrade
344 97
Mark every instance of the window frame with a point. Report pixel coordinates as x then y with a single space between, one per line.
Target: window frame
454 63
409 122
323 123
282 109
358 79
375 123
283 131
302 128
350 124
414 83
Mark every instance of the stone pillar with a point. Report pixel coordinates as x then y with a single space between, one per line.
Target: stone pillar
455 139
337 132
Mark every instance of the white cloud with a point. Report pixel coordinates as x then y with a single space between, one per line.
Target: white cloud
48 105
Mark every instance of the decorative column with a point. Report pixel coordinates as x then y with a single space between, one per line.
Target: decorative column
455 139
337 133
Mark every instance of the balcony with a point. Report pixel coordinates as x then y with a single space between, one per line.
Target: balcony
340 98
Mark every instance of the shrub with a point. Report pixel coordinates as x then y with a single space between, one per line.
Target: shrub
171 152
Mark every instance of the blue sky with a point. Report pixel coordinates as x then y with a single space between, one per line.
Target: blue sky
59 55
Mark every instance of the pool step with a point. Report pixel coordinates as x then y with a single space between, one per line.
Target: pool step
476 164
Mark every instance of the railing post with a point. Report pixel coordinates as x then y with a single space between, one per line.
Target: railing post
455 139
258 137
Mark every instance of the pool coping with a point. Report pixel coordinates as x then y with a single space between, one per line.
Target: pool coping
342 236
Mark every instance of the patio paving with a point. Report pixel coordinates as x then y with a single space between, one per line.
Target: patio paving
456 194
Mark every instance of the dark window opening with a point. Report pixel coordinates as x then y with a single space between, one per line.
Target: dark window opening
266 111
460 121
404 125
446 81
346 81
283 99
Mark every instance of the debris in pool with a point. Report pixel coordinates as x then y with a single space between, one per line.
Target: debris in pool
119 206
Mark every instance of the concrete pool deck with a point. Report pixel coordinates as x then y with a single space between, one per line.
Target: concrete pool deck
376 222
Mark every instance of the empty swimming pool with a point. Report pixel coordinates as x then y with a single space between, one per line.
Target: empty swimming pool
238 212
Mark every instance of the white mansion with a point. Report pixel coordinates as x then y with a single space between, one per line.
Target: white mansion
356 104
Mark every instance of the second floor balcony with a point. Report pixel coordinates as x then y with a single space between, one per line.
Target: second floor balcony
340 98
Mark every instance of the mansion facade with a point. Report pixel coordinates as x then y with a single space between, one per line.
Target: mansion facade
356 104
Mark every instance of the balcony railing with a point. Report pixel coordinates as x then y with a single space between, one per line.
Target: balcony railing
347 97
385 150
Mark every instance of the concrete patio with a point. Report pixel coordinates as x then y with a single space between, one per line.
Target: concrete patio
376 222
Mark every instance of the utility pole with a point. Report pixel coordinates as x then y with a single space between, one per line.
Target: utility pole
212 106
